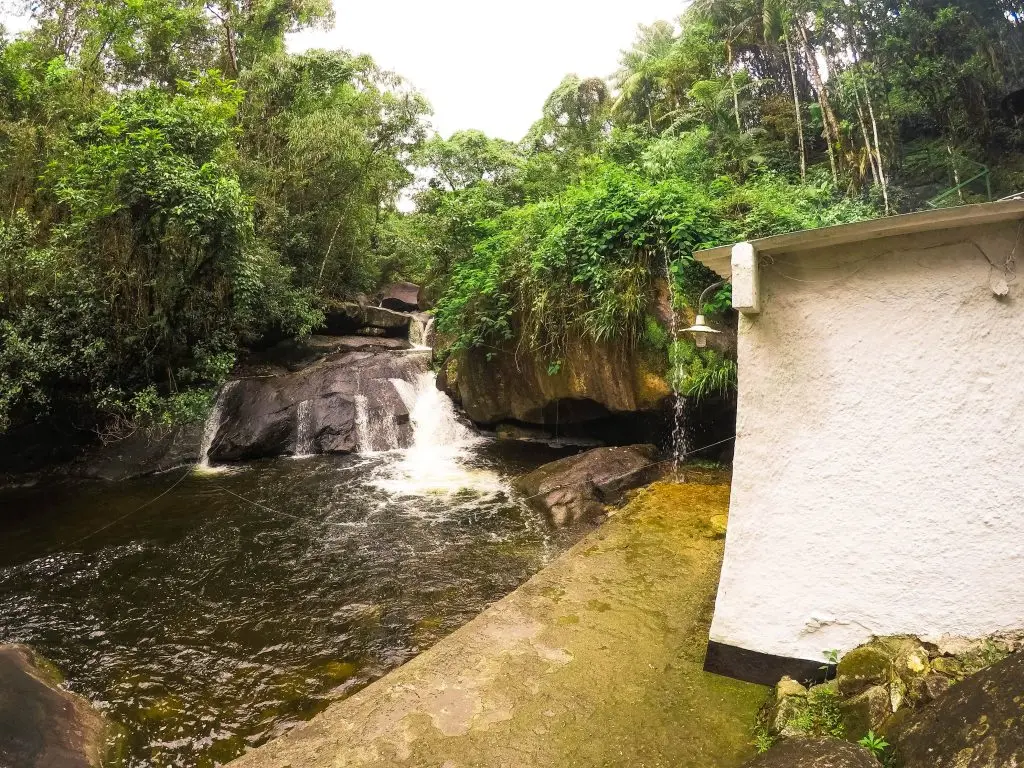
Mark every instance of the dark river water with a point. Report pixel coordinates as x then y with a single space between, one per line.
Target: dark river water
244 601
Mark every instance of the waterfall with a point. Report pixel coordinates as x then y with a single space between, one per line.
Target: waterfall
676 377
420 328
213 424
363 440
376 429
304 429
440 459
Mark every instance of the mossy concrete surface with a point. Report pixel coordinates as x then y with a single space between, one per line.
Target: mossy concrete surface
596 661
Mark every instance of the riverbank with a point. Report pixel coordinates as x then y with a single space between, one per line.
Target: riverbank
596 661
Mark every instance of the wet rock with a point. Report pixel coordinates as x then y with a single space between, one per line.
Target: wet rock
261 417
403 297
577 488
929 688
979 723
867 711
814 753
348 317
144 452
42 725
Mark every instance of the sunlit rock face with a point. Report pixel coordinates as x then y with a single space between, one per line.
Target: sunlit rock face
42 725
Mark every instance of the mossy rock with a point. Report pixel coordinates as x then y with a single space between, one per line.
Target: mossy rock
978 723
867 711
864 667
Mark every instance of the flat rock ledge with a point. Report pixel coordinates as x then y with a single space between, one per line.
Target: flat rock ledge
41 724
595 661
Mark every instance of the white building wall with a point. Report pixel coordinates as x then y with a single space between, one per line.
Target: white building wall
878 484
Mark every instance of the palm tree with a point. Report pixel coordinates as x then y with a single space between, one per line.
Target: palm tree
734 20
638 80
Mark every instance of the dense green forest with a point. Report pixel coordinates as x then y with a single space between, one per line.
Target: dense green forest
176 187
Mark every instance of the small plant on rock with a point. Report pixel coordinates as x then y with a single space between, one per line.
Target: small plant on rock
763 740
876 744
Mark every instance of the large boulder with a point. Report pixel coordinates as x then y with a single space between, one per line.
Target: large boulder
316 410
814 753
593 381
144 452
403 297
349 317
978 723
577 488
41 724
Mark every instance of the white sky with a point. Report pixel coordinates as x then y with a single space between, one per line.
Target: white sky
482 64
485 64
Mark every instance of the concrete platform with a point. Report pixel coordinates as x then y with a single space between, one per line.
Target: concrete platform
596 661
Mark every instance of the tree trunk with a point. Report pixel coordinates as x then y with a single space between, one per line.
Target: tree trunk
796 108
735 93
878 151
831 132
864 133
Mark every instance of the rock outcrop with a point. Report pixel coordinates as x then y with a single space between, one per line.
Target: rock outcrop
318 406
144 452
593 382
577 488
978 723
42 725
403 297
348 317
814 753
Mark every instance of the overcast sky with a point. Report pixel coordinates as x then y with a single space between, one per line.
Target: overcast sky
485 64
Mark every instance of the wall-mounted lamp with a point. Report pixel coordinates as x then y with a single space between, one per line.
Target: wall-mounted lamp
700 329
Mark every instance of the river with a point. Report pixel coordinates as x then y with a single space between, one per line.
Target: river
208 611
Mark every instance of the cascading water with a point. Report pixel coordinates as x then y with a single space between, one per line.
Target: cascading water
213 425
304 428
440 459
676 377
420 328
376 429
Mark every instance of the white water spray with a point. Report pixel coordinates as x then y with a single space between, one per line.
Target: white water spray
440 459
212 425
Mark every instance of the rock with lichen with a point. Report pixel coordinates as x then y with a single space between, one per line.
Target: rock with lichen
867 711
978 723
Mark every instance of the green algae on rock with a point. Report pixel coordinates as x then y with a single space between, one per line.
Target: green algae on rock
596 661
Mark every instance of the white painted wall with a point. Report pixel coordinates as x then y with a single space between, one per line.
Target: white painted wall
878 485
